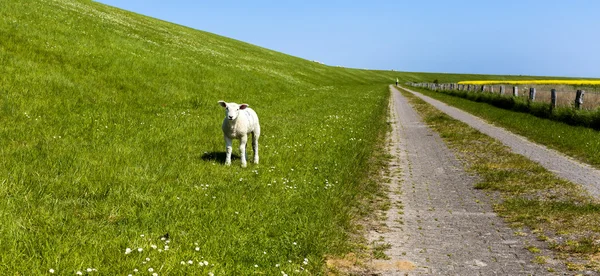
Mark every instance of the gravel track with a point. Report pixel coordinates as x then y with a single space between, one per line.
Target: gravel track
561 165
438 223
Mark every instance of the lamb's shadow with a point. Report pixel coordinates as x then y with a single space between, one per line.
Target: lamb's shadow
218 156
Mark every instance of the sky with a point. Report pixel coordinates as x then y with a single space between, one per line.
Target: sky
514 37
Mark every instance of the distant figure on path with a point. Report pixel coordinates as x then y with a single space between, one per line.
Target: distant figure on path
396 81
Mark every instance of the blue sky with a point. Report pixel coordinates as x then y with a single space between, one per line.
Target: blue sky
549 38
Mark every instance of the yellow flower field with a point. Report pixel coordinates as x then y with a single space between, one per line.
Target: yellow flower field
541 82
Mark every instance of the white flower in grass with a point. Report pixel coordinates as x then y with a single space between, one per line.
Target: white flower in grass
182 263
163 238
135 270
190 262
305 261
150 270
78 273
154 246
205 263
255 265
154 274
140 249
89 270
211 274
197 248
129 275
276 265
147 259
166 247
142 235
294 243
127 250
51 271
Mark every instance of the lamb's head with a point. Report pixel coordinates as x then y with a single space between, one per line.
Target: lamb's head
232 110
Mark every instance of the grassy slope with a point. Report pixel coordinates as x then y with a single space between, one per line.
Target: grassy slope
109 131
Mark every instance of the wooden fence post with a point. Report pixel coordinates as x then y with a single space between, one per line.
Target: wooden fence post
491 89
483 88
501 89
515 91
579 99
532 94
552 99
469 87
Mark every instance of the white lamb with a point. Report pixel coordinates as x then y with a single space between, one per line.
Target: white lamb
240 120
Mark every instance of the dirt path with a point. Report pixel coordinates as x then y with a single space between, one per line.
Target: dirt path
563 166
439 224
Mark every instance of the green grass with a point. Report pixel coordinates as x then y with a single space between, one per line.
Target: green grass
530 195
579 142
563 114
110 130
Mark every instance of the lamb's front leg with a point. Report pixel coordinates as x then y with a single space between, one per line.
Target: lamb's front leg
243 141
228 149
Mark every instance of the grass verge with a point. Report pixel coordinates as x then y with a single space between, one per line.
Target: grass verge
578 142
567 115
531 196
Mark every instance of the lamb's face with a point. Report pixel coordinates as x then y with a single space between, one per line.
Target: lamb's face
232 110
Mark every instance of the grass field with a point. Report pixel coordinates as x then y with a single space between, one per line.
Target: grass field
110 138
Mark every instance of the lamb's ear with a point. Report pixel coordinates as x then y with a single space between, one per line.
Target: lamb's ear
223 104
243 106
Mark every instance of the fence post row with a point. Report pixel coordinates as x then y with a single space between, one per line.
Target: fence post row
515 91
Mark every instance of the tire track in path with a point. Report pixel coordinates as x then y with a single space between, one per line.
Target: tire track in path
439 224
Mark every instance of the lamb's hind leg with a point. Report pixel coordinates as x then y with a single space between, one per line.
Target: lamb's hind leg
255 136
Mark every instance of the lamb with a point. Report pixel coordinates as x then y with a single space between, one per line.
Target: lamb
239 121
